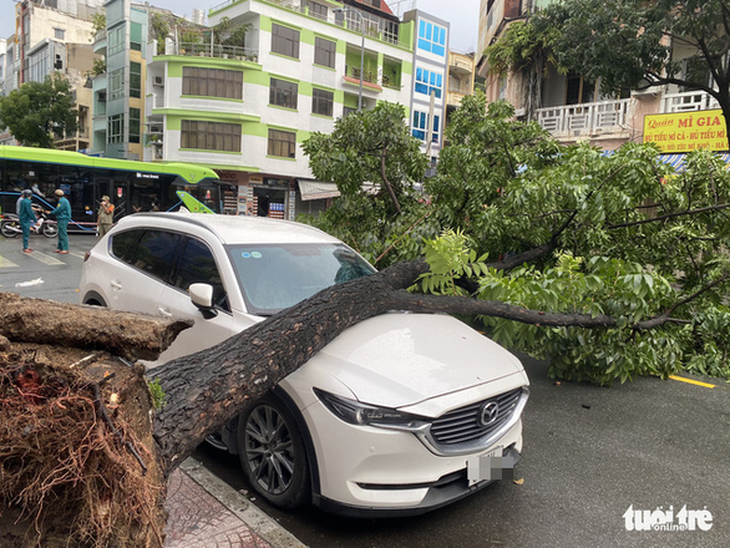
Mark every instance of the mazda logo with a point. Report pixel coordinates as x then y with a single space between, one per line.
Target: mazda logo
488 413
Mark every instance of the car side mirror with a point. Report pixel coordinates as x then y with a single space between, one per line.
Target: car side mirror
201 295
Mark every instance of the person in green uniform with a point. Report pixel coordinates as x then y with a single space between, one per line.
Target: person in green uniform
62 213
26 217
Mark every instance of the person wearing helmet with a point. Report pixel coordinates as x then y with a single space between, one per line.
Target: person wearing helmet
62 213
105 216
26 217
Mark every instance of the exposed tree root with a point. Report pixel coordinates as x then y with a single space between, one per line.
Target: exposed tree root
73 469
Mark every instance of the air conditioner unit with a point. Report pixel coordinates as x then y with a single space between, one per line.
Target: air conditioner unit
157 80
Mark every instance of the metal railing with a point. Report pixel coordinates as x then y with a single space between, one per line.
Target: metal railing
292 5
216 50
683 102
354 72
585 118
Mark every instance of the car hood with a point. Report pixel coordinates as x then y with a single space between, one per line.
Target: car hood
401 359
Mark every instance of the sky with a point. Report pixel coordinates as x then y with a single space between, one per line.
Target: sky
461 14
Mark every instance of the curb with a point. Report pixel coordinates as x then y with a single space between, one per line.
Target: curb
260 523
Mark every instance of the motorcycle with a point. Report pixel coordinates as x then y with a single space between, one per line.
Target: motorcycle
10 225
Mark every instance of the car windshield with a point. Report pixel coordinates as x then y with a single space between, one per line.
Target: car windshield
275 277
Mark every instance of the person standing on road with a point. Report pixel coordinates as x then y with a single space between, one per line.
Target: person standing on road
26 217
105 216
62 213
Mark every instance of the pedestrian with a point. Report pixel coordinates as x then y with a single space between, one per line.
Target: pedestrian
26 217
106 216
62 214
26 193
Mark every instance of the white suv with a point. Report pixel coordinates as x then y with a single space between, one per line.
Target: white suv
400 414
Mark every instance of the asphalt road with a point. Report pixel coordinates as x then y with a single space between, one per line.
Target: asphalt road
590 454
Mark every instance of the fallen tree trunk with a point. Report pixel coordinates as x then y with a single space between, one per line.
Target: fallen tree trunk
202 392
131 336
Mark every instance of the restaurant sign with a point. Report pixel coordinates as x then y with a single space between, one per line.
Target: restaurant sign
686 131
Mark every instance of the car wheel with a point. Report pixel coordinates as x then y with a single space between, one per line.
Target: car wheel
272 454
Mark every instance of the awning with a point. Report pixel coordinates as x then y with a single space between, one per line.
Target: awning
676 161
317 190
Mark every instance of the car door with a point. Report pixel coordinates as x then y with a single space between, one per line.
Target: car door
195 263
147 256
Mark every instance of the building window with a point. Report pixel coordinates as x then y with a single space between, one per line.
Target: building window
217 136
135 36
432 38
59 34
318 10
135 79
117 39
420 126
578 90
427 81
285 41
134 125
324 52
282 143
115 129
208 82
283 93
346 111
322 101
116 84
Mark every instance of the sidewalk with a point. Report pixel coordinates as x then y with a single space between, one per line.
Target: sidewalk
205 512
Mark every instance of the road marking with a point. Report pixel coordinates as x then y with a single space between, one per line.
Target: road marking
46 259
6 263
691 381
77 255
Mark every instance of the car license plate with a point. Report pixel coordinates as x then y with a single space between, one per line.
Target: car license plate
489 466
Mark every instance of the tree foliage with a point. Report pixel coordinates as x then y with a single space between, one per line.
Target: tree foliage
375 162
631 44
617 265
37 113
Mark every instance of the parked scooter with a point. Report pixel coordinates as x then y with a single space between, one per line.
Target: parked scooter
10 225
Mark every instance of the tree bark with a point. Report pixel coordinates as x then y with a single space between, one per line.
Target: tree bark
129 335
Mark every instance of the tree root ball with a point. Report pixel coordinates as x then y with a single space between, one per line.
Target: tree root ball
77 464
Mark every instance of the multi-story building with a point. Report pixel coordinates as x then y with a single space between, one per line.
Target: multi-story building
53 36
460 80
246 109
569 107
430 67
119 91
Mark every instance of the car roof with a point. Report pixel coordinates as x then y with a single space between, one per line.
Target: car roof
231 229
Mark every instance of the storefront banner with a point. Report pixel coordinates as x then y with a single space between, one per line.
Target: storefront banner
686 131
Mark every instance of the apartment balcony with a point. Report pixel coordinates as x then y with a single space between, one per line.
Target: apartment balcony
683 102
100 42
216 50
369 81
379 29
586 119
461 65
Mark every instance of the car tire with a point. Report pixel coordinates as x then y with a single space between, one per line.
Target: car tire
272 454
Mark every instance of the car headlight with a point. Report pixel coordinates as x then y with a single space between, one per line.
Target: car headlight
361 414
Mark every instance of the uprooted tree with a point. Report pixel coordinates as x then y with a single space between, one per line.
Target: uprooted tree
612 265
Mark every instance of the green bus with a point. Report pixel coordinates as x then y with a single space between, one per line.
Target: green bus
132 186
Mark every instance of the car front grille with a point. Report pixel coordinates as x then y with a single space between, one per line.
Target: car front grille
477 424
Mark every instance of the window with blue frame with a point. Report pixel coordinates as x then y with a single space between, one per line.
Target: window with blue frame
427 81
432 38
420 126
